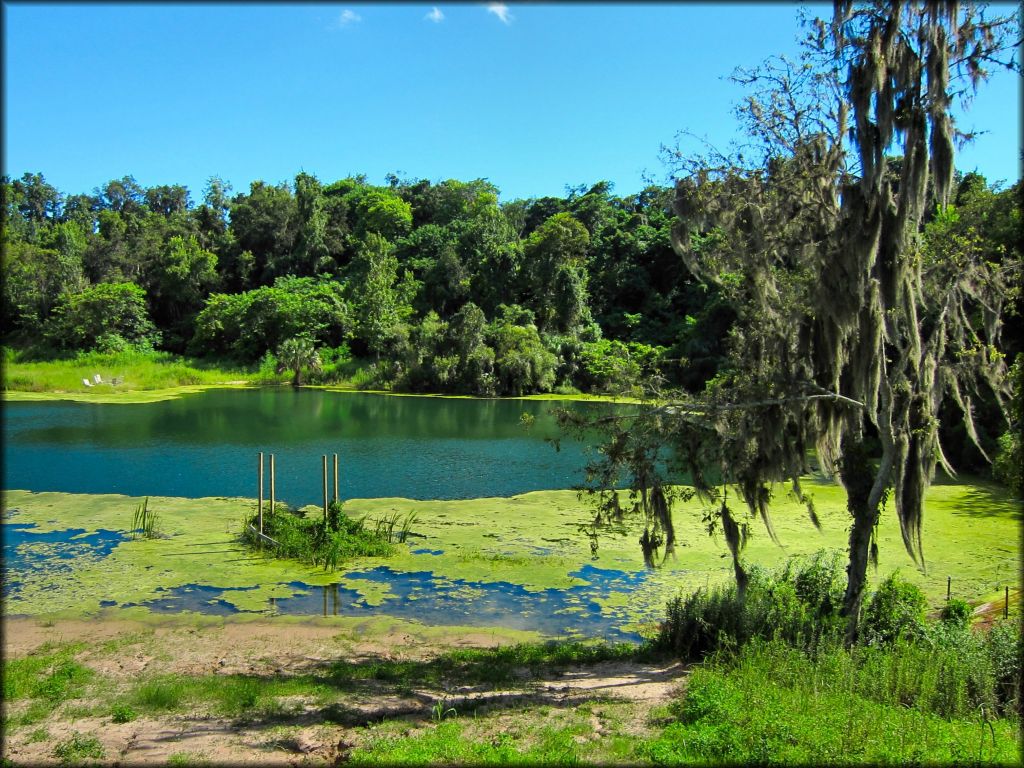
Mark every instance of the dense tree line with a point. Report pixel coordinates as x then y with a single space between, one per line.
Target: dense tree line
439 285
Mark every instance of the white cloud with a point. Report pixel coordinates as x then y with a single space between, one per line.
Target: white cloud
348 17
501 11
435 15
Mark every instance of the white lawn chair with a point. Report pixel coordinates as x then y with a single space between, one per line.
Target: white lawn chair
96 379
87 382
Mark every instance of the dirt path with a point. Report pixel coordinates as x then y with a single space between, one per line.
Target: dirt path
305 730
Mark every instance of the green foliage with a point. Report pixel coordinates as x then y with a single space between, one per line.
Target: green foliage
896 609
798 603
249 324
161 694
1005 649
316 541
79 748
135 369
607 365
105 310
122 713
49 674
1008 465
296 355
957 613
775 704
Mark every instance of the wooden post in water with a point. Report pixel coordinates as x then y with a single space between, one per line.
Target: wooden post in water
273 495
325 489
336 477
259 496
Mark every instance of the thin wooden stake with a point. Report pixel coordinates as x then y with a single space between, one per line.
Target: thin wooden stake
273 495
335 477
325 489
1006 605
949 587
259 496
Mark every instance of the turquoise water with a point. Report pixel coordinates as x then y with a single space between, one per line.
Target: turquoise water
206 445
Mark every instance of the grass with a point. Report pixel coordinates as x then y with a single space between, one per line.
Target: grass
772 703
138 371
78 749
47 678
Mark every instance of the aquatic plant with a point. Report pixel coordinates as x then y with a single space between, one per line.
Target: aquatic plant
145 522
319 541
385 527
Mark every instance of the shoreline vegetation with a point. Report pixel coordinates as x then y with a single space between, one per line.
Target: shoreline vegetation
718 680
152 376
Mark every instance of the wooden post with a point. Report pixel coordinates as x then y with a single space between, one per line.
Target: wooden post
1006 605
949 587
273 495
259 496
325 488
336 477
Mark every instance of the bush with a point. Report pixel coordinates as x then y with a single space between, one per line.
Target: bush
896 609
798 603
957 613
1005 651
310 540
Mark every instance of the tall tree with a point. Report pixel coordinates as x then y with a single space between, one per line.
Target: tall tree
844 323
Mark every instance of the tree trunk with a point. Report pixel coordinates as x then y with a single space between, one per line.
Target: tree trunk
857 568
297 378
865 489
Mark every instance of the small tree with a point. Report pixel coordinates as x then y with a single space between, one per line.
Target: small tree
294 355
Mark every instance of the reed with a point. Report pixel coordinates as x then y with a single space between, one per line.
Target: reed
145 523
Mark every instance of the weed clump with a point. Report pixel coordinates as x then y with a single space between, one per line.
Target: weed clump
327 542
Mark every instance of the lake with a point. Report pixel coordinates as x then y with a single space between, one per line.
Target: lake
206 444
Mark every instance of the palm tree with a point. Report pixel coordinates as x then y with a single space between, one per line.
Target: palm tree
294 355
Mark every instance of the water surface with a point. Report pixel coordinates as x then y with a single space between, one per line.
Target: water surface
206 444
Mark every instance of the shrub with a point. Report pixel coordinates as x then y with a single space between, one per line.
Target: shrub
310 540
798 603
957 613
1005 650
896 609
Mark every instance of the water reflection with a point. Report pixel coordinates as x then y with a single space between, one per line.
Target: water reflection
422 596
205 445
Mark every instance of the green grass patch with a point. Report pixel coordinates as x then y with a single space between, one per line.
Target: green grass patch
50 675
447 743
134 370
79 748
772 703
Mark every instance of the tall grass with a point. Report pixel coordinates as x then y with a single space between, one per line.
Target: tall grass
778 683
145 523
772 703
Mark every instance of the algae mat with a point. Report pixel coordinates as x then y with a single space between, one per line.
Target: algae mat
520 562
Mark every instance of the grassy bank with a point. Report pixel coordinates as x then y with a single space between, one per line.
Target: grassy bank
156 374
151 376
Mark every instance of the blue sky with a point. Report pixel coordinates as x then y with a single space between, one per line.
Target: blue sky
531 97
